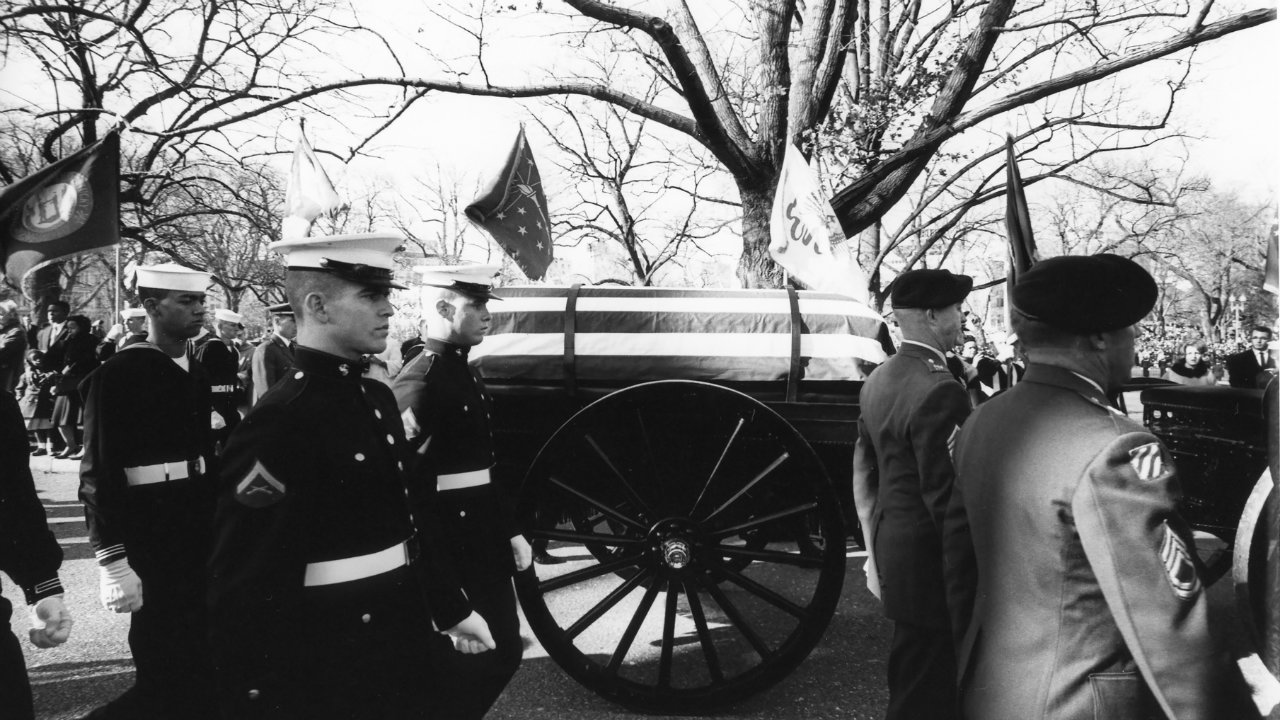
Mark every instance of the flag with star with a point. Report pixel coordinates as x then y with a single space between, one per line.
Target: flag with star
514 210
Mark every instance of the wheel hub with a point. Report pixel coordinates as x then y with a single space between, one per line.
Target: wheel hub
676 553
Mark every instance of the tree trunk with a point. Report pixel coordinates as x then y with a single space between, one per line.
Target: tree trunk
756 269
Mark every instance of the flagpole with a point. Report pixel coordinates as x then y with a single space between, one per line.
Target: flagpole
119 282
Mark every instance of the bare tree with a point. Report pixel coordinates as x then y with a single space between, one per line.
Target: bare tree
799 53
632 190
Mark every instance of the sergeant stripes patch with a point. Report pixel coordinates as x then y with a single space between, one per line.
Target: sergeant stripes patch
1178 567
1147 461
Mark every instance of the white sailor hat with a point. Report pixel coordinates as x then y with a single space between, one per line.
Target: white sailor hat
170 276
363 259
225 315
472 280
131 313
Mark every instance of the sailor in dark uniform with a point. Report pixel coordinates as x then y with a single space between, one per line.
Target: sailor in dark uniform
912 406
1087 603
30 555
446 414
148 497
316 610
216 352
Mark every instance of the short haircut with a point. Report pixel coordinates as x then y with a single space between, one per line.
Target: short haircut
66 306
146 293
84 322
1261 329
1036 334
970 339
298 284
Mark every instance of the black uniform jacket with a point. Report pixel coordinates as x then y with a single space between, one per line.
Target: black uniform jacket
911 407
314 473
446 415
221 364
29 553
1243 369
1086 583
140 409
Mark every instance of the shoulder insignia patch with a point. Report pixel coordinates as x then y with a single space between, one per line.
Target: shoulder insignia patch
1178 567
1147 461
259 488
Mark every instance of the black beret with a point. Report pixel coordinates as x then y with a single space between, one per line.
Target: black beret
929 289
1086 293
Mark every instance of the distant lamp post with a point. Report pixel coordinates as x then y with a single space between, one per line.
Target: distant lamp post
1237 303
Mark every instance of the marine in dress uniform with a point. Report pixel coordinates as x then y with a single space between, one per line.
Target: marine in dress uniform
446 415
317 612
30 555
911 406
148 496
221 362
1087 603
273 358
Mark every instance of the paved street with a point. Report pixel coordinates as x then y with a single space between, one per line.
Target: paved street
842 678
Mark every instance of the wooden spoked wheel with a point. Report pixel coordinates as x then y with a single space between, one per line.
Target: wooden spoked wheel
704 543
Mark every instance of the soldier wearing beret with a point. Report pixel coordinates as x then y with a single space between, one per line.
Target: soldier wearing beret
1086 602
273 358
316 610
148 498
911 408
446 415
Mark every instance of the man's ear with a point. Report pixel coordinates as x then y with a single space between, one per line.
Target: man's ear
1098 341
445 309
313 305
150 305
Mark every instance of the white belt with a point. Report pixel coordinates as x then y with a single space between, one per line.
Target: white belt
330 572
163 472
457 481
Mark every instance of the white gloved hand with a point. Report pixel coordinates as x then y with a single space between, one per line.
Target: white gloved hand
119 587
50 622
472 636
215 421
522 551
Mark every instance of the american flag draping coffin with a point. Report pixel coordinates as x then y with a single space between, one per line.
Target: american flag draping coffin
622 335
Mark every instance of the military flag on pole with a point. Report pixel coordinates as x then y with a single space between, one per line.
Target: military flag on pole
310 193
68 207
1017 220
513 209
805 236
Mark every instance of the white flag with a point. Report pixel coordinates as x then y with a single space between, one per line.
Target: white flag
310 193
802 227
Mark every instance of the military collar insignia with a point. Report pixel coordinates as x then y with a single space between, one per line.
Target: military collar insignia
315 362
441 347
259 488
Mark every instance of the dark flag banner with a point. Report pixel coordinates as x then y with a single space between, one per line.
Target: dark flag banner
1017 220
1271 275
514 211
63 209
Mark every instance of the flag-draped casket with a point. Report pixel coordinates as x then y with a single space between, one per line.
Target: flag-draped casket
608 336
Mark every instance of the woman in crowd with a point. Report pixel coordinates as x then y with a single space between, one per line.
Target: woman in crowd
35 393
1191 368
81 359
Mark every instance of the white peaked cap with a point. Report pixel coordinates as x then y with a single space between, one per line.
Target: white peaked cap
170 276
131 313
225 315
364 258
473 280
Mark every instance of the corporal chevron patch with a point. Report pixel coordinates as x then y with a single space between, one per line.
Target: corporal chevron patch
1178 567
1148 461
259 488
951 443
